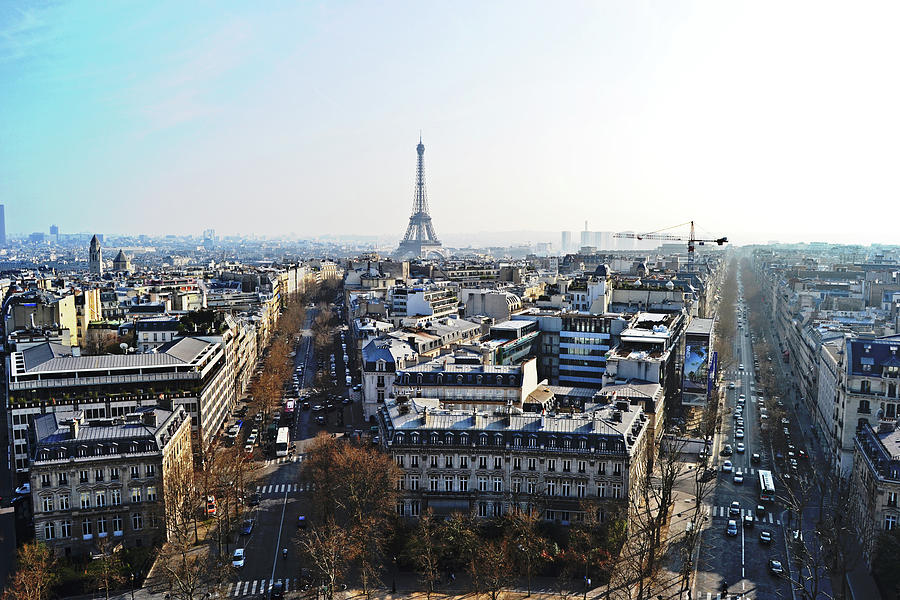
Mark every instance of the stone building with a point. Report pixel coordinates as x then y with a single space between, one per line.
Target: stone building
97 484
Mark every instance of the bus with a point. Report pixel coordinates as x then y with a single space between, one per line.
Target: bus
288 414
766 486
282 441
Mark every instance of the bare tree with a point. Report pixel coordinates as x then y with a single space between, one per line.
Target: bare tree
424 549
491 567
189 573
329 550
107 570
35 573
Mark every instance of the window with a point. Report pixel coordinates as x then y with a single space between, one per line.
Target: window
532 486
517 464
151 494
602 468
150 470
580 489
45 480
400 460
414 461
482 462
464 439
137 521
101 498
400 508
101 526
135 495
116 497
135 472
448 483
85 500
380 396
891 499
864 407
401 483
551 464
62 501
464 484
448 461
433 483
117 525
498 484
532 442
582 466
463 462
498 462
47 504
380 381
617 468
601 490
482 484
567 466
532 464
414 508
49 530
483 439
433 462
414 483
86 527
62 479
551 488
65 529
482 509
516 485
617 490
98 475
83 477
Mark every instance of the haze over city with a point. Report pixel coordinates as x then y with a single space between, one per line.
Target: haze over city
759 122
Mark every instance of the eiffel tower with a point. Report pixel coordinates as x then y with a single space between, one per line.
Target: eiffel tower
420 237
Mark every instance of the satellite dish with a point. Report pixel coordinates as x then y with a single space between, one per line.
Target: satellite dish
123 346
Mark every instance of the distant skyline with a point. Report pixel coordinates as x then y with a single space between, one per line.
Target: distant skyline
760 122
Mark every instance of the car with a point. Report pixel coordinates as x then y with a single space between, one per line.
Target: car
254 499
763 416
248 448
765 537
760 510
247 527
742 397
345 401
786 431
258 417
785 421
730 385
775 567
320 420
251 439
748 520
738 478
301 522
276 416
317 408
358 387
755 458
735 508
276 592
24 489
731 529
739 434
727 466
741 448
739 423
305 405
727 450
741 366
254 431
237 559
802 454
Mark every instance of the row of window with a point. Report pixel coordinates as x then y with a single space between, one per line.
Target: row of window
101 526
448 461
518 441
552 487
98 499
107 449
98 475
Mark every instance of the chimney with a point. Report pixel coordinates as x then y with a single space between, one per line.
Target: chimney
149 418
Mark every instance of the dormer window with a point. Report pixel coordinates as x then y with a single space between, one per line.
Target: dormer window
464 439
434 438
499 379
459 379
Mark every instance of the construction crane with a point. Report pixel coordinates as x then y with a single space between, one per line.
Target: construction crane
692 240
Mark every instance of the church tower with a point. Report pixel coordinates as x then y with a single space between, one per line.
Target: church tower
95 261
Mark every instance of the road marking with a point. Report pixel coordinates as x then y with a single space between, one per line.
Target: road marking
253 588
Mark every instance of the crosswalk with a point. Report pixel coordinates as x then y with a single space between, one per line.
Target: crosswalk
721 596
281 460
281 488
722 511
261 587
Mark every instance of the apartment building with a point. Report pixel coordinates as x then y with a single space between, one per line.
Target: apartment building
47 378
876 482
98 484
490 462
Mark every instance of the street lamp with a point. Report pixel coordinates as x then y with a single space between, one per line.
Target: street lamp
394 576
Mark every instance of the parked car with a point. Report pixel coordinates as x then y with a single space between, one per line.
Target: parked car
775 567
24 489
247 527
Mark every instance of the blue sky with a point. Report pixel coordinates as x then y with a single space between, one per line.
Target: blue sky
762 121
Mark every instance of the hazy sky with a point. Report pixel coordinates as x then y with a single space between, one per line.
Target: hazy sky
759 120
